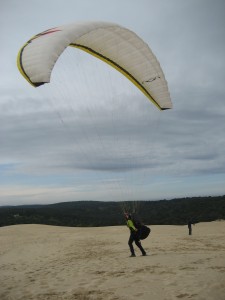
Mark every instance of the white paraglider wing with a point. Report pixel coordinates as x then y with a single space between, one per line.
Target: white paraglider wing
116 45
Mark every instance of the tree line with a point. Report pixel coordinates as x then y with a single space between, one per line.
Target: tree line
97 213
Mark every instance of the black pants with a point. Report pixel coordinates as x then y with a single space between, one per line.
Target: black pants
134 238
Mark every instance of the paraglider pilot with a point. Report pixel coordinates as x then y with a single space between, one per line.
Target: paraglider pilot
133 236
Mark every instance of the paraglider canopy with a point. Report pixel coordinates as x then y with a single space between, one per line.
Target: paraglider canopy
112 43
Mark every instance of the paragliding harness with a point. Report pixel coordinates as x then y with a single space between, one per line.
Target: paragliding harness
143 231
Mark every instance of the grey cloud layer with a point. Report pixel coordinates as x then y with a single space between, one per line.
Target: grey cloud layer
91 120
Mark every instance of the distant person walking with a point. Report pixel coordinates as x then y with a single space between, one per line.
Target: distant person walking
133 236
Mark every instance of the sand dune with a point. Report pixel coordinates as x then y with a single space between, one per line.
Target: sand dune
46 262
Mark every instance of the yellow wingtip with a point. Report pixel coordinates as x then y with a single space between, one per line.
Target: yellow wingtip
20 67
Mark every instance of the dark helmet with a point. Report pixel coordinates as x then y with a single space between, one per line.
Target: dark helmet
127 215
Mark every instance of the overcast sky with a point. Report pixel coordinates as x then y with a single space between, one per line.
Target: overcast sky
90 134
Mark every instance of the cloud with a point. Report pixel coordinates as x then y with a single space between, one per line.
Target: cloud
91 125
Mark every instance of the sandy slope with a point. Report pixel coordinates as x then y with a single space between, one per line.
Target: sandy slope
46 262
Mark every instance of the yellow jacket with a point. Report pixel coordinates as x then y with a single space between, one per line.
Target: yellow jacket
130 225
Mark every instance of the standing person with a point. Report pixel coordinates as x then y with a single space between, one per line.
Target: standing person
190 227
133 236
